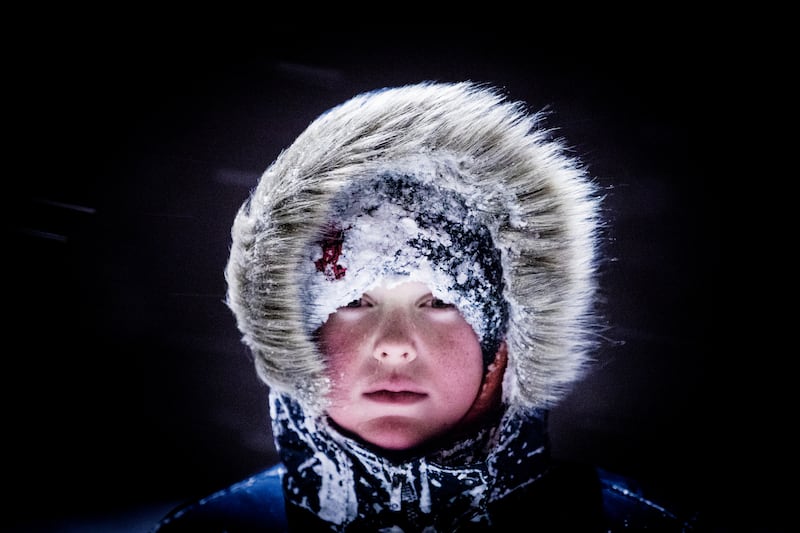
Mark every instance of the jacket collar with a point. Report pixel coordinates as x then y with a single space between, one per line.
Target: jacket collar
343 482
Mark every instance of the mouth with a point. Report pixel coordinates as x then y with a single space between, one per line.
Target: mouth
397 397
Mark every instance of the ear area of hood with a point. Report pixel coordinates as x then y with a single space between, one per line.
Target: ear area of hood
538 202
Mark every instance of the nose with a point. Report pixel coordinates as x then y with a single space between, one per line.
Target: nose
395 341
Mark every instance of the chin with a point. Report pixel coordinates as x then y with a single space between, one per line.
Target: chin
395 433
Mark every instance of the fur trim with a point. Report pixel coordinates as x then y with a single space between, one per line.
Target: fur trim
538 202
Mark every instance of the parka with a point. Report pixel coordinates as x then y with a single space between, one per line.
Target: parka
466 166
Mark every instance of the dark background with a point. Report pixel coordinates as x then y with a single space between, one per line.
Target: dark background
127 388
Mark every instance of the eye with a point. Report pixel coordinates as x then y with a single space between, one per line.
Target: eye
358 303
438 303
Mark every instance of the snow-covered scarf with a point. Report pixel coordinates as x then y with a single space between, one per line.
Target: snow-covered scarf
350 488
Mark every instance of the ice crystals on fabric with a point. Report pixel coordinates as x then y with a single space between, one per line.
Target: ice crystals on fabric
391 228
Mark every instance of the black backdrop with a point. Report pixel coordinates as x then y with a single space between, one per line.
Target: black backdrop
128 390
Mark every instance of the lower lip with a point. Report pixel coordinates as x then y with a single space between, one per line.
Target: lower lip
402 397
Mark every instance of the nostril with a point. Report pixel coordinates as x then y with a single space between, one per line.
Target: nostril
402 355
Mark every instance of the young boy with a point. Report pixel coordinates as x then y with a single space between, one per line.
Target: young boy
415 277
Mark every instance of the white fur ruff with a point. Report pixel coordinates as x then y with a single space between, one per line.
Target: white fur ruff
539 204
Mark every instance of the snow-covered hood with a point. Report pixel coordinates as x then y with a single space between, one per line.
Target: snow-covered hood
538 204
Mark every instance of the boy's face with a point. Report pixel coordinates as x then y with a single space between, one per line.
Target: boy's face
405 367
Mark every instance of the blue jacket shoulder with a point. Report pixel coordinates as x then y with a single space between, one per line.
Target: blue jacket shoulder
256 504
253 504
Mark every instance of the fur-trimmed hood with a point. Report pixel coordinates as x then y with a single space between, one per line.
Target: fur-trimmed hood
539 204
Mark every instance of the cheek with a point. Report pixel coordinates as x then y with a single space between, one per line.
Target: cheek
453 336
339 342
458 353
